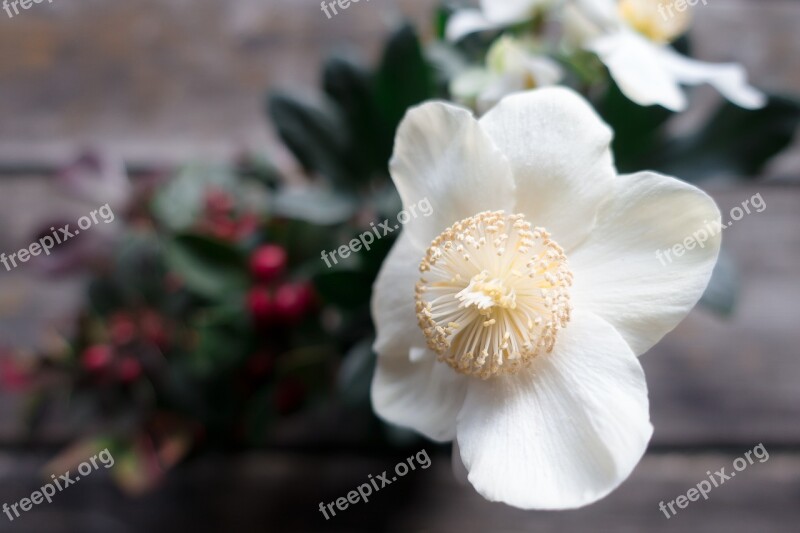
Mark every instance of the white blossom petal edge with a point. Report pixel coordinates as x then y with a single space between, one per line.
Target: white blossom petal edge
649 73
510 322
631 38
493 14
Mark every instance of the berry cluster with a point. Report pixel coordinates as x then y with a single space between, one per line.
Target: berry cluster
271 303
128 340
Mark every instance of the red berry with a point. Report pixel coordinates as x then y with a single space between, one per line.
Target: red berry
218 202
261 305
268 262
293 301
13 375
129 370
223 229
153 329
97 358
122 329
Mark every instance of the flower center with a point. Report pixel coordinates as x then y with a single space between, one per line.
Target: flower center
493 294
659 20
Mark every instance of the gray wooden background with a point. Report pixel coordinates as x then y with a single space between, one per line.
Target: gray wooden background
166 81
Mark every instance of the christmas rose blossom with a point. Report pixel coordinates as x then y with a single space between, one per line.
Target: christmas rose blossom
512 65
510 320
631 37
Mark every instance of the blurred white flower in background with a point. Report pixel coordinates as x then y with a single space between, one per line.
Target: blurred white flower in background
510 320
97 177
494 14
631 37
512 65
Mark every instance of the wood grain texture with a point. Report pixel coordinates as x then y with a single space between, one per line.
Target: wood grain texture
282 493
167 80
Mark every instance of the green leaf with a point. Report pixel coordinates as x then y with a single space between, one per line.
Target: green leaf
723 289
350 87
735 143
314 205
309 363
223 341
260 415
261 169
139 269
404 77
316 136
209 267
303 241
441 16
178 204
348 289
105 296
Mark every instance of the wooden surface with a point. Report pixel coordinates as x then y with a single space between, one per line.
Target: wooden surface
282 492
166 81
163 80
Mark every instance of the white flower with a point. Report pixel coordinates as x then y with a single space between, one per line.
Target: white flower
632 38
510 319
493 14
512 65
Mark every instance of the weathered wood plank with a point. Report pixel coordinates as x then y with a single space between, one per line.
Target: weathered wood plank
282 492
158 80
161 80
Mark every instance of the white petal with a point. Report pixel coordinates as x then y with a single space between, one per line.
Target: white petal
618 273
603 13
559 153
468 84
565 433
410 388
511 11
578 26
459 470
544 70
466 21
393 306
441 153
636 65
425 396
730 79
